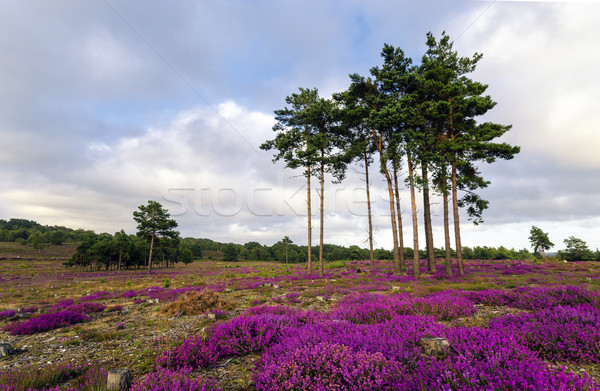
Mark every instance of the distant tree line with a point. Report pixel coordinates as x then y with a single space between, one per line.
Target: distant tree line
37 235
331 252
121 251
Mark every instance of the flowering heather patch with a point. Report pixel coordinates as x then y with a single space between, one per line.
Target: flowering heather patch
129 294
7 314
483 359
163 379
558 334
535 298
114 308
89 377
29 310
241 335
495 297
46 322
374 308
547 297
397 339
328 366
83 308
97 296
293 298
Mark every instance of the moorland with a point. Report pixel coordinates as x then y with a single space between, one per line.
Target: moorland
210 324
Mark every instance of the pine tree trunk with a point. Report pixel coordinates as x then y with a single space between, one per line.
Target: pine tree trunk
427 219
459 260
322 196
309 219
413 205
382 162
120 257
399 213
393 217
150 256
369 212
448 265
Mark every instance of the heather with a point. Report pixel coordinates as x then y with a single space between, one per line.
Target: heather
536 297
169 380
235 323
570 334
46 322
83 377
238 336
491 360
375 308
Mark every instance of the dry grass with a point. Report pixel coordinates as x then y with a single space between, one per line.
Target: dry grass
196 303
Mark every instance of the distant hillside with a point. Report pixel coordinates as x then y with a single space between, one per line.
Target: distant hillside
14 250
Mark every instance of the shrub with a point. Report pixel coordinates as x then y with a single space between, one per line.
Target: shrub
46 322
7 314
29 378
491 360
374 308
328 366
241 335
195 303
558 334
162 379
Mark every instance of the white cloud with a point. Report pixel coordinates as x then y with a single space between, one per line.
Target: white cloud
541 63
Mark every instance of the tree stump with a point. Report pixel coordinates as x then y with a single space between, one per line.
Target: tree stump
5 349
435 346
118 379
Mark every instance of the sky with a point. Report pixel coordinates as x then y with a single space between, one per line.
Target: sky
105 105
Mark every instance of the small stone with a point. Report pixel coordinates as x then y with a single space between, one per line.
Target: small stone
320 298
5 349
395 288
435 346
275 286
210 315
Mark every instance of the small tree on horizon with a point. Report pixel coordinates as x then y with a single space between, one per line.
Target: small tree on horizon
577 250
286 243
539 240
154 221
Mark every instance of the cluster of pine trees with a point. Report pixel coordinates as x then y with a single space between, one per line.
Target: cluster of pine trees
122 251
422 117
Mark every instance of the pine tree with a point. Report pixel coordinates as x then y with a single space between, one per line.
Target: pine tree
153 222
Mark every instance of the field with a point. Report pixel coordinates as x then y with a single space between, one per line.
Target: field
250 325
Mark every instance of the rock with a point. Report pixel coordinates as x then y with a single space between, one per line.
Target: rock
5 349
320 298
435 346
210 315
395 288
118 379
275 286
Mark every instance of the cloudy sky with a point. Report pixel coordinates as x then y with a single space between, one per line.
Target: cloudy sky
105 105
